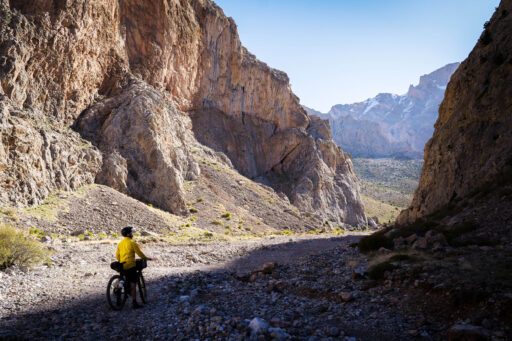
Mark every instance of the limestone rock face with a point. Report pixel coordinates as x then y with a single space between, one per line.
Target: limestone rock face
144 140
37 158
126 74
472 142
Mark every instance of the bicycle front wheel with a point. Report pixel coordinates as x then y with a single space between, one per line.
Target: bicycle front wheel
142 289
116 292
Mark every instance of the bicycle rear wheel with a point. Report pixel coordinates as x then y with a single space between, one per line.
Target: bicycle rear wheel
116 293
142 289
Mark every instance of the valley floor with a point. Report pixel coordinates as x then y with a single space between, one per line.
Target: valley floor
201 291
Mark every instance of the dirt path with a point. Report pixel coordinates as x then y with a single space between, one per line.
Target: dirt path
194 294
88 264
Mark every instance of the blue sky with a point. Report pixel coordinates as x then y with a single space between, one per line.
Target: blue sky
345 51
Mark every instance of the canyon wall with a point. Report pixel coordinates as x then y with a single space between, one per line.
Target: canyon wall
143 81
472 142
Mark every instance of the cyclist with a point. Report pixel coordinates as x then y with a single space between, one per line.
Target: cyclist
125 253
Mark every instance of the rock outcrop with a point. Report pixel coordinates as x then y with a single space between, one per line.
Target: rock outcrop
391 125
472 143
125 74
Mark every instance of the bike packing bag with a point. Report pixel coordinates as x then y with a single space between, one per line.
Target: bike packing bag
141 264
116 266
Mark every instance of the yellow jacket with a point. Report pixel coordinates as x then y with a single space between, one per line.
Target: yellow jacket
126 251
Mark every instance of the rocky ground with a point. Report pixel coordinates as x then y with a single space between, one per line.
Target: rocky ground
318 290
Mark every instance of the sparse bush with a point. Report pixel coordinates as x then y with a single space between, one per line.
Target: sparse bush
241 221
193 210
216 222
172 234
115 235
377 271
226 215
400 257
287 233
193 218
248 228
374 242
200 200
259 223
137 234
90 234
187 225
150 205
81 236
339 230
102 235
16 249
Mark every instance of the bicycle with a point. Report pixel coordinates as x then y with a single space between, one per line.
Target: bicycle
117 290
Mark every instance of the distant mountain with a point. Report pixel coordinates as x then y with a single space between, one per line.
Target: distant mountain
390 125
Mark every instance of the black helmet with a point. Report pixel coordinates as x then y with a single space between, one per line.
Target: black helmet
126 231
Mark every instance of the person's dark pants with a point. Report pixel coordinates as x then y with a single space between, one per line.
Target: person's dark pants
131 276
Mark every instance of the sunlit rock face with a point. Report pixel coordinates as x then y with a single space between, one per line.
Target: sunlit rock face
472 142
143 81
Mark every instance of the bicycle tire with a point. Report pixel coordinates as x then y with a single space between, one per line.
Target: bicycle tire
116 297
142 289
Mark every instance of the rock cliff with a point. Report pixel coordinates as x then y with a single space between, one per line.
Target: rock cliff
472 143
144 81
391 125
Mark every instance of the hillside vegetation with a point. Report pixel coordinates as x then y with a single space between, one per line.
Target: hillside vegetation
387 185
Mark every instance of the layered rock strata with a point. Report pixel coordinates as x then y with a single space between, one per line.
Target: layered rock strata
472 142
133 68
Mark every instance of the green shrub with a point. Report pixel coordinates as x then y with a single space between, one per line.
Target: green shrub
81 236
102 235
216 222
115 235
16 249
374 242
193 218
187 225
377 271
172 234
286 232
226 215
339 230
259 223
248 228
200 200
90 234
193 210
150 205
137 234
